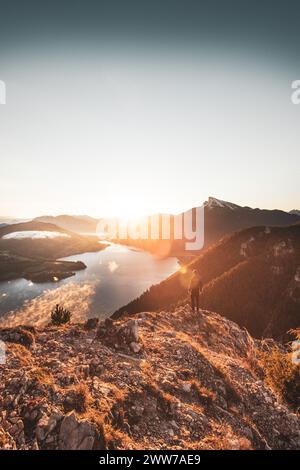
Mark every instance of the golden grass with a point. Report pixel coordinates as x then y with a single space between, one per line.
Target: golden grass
21 353
116 439
282 375
78 398
223 438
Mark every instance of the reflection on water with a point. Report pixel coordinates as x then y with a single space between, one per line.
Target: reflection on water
112 278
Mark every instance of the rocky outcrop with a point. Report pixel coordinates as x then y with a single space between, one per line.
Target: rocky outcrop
122 336
21 335
165 380
77 434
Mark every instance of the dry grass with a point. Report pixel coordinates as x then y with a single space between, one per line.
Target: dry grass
223 438
233 395
296 333
77 398
251 364
42 376
206 396
119 394
21 353
116 439
282 375
5 438
165 401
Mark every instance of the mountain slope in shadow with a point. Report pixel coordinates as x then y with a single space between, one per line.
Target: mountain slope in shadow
252 277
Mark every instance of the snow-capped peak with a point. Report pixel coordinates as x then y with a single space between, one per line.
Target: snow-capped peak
214 202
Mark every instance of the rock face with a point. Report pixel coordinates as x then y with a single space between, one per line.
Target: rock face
75 434
165 380
121 335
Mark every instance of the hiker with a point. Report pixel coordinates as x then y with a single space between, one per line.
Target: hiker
195 289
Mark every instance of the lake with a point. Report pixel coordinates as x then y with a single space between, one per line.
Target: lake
113 277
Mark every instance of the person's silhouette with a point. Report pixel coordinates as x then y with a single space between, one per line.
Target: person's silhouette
195 289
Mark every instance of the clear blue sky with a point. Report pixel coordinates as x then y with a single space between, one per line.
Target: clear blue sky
114 112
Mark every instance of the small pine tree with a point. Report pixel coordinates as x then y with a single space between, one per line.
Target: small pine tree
60 316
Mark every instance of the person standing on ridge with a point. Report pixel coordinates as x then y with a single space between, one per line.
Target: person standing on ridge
195 289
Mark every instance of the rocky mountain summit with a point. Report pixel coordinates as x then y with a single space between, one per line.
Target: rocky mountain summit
161 381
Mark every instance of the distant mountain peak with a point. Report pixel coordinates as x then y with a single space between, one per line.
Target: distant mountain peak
295 212
75 223
214 202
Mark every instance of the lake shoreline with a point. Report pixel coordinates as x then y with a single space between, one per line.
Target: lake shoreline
112 277
39 270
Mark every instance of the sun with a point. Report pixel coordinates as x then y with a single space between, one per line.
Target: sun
127 208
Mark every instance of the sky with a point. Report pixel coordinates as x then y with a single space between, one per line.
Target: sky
118 108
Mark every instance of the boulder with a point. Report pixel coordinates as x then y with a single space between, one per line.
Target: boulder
135 347
77 434
46 425
120 335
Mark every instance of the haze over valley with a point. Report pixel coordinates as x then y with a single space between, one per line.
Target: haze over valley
51 257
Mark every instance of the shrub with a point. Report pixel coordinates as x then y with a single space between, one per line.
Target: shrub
282 375
60 316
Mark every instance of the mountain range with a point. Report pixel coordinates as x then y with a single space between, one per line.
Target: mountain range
75 223
220 218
